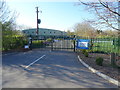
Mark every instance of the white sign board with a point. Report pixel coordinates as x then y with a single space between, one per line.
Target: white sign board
83 44
56 40
26 46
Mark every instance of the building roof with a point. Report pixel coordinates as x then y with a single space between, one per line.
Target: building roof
42 29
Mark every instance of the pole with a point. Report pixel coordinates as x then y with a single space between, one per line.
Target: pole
37 23
119 17
74 43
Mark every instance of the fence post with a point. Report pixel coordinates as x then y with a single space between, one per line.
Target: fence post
112 57
91 44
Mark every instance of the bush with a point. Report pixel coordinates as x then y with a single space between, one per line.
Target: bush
99 61
13 42
90 50
49 40
86 54
37 44
83 51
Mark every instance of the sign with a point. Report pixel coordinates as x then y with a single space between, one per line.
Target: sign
83 43
56 40
26 46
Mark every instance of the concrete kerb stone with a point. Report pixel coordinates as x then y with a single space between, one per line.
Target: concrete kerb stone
99 73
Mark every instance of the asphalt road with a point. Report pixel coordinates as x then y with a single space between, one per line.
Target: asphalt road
46 69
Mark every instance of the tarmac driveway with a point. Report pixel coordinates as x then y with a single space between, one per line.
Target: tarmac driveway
46 69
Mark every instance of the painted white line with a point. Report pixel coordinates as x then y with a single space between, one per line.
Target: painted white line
35 61
99 73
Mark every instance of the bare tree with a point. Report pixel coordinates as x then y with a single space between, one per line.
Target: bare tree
5 14
22 27
108 13
70 33
84 29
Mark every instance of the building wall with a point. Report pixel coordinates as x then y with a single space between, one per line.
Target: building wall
43 32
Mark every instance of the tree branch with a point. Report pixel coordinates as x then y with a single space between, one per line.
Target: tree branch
106 6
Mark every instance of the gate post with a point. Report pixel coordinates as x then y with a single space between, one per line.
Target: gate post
74 45
52 45
30 42
112 59
74 42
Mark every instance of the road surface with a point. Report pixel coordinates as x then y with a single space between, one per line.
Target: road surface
48 69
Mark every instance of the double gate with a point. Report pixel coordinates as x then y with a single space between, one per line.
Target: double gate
63 45
54 44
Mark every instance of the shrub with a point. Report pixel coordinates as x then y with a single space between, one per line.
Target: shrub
99 61
83 51
90 50
86 54
49 40
37 44
13 42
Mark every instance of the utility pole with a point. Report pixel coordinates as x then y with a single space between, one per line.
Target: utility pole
38 22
